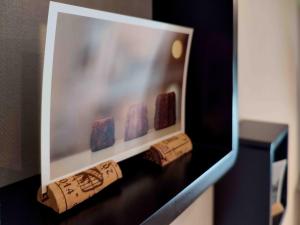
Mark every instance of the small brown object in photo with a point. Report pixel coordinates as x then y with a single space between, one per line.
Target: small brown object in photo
136 122
165 110
103 134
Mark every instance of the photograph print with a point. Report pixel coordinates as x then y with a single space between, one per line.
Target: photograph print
117 87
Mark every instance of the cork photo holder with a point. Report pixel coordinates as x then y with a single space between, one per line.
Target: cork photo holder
169 150
69 192
105 98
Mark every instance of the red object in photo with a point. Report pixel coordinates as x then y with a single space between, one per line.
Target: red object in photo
103 134
165 111
137 122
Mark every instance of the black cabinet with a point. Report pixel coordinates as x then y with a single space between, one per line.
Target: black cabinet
243 196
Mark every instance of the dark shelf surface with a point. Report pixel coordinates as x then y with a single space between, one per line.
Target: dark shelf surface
146 194
261 134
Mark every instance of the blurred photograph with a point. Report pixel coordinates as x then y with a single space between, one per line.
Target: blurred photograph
116 89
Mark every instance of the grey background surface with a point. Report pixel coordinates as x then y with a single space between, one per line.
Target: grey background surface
22 39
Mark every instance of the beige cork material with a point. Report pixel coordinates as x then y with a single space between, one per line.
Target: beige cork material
66 193
169 150
277 209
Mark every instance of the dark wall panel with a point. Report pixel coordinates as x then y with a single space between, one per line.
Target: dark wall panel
210 77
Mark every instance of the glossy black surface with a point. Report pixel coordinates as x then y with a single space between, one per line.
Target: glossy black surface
143 190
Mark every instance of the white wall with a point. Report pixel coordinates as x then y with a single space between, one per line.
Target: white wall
268 67
199 213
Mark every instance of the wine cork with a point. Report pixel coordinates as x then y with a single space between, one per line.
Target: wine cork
277 209
68 192
169 150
